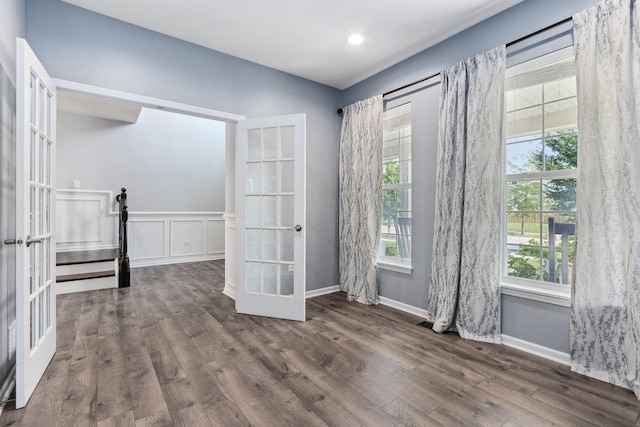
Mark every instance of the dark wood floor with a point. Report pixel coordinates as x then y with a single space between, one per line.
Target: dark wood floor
171 350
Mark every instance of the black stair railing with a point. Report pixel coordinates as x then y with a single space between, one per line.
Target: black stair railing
124 277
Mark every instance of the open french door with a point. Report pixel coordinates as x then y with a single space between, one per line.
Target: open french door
270 202
35 220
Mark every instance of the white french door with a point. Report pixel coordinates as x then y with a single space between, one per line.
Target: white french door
35 210
270 190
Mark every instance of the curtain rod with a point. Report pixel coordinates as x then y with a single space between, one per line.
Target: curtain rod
511 43
411 84
564 21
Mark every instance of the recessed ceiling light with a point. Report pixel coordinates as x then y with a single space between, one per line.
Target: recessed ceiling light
355 39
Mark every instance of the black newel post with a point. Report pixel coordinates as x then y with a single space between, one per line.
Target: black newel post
124 277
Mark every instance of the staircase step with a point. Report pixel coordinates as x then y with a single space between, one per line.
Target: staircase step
67 269
85 276
110 282
83 257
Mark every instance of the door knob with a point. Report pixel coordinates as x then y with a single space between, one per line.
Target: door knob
31 240
297 227
13 242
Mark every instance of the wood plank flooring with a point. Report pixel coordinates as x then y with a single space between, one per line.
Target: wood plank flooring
171 351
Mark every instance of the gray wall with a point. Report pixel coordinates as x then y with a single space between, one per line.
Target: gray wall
12 25
533 321
539 323
81 46
168 162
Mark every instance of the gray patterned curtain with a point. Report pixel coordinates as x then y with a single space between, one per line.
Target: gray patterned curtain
605 313
464 290
360 198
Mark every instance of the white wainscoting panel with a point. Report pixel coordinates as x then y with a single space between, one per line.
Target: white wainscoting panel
185 237
147 239
85 219
88 219
216 228
82 229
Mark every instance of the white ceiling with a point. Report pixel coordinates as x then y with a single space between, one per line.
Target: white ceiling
307 38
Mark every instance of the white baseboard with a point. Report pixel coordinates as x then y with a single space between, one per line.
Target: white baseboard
322 291
403 307
165 261
538 350
230 290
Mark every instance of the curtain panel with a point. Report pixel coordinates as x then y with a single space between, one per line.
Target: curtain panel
360 198
464 291
605 313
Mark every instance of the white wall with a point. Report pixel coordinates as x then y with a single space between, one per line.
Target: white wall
168 162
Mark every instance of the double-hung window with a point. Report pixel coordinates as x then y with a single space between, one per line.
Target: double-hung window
540 171
395 233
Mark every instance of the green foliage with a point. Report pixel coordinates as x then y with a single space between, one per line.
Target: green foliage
391 250
521 267
390 202
561 153
525 262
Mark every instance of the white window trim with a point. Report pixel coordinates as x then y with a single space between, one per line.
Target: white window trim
543 175
560 296
401 186
391 264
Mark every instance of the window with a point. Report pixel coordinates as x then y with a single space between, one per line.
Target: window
541 169
395 235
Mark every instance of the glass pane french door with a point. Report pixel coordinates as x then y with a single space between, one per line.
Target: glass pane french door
35 201
270 217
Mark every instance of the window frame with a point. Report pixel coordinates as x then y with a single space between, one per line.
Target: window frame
558 294
398 264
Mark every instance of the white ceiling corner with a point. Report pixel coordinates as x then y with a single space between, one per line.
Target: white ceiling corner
307 38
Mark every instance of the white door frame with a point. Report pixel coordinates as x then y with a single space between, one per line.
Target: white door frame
146 101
